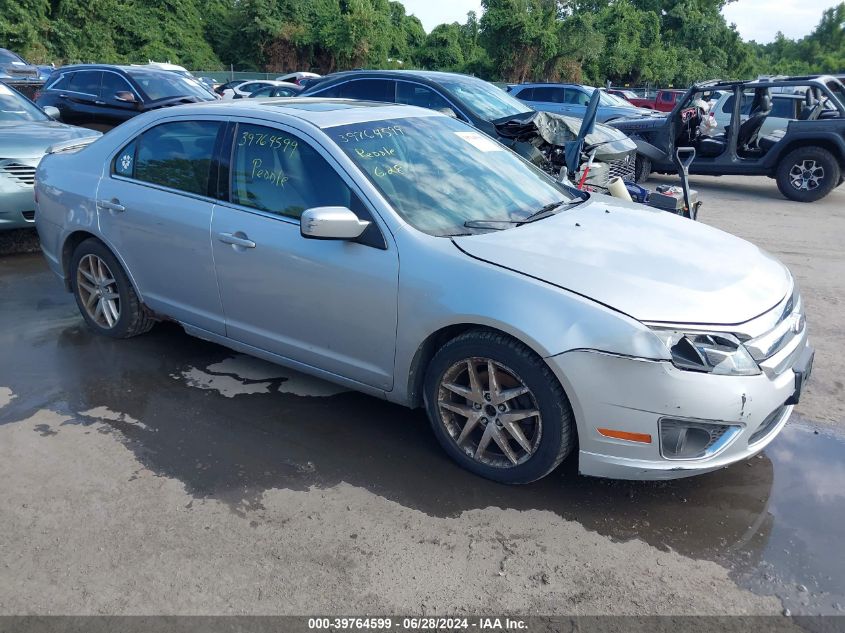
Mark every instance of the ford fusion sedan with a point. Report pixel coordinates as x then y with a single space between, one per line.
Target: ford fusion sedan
402 253
26 131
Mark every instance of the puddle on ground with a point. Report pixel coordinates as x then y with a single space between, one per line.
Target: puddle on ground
775 520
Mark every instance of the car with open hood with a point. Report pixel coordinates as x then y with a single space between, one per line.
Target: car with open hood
26 132
540 137
402 253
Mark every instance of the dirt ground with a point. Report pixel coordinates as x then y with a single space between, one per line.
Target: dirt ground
167 475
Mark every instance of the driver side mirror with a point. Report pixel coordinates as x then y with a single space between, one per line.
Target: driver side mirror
331 223
125 96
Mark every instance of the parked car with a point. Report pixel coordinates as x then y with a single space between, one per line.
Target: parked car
572 100
296 78
623 94
246 88
26 131
785 107
282 89
220 89
540 137
100 97
805 159
664 100
527 317
13 67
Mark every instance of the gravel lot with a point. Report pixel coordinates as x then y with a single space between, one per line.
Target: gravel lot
168 475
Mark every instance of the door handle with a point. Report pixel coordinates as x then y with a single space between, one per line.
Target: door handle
236 240
111 205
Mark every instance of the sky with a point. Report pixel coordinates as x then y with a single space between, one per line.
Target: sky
755 19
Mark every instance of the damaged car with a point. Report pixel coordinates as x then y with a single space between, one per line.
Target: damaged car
540 137
529 319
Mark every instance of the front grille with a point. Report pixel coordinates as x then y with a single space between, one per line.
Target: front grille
624 168
767 425
22 174
29 216
778 348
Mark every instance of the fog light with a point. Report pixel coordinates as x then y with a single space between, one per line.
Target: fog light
688 439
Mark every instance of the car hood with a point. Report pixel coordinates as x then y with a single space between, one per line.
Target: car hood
557 129
30 139
649 264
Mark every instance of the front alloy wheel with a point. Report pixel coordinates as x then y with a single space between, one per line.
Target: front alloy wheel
497 408
489 412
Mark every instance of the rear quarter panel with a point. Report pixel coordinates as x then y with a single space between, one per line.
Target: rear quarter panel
65 190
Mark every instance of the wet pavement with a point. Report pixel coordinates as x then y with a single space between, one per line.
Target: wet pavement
231 428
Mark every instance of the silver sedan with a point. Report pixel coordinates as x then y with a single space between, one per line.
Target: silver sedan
401 253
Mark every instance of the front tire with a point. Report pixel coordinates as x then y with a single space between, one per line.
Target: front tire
497 409
642 168
808 174
104 295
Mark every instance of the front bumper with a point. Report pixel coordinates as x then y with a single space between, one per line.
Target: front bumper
17 209
17 199
632 395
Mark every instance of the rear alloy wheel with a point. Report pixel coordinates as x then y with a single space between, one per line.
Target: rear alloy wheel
105 297
808 174
497 409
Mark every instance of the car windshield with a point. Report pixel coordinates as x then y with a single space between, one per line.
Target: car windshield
483 99
14 107
168 85
439 173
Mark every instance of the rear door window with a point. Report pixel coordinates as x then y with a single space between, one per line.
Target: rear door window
177 155
86 82
279 173
370 90
526 94
549 94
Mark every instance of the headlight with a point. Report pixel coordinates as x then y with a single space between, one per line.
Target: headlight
712 352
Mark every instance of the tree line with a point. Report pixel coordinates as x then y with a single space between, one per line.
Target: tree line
666 42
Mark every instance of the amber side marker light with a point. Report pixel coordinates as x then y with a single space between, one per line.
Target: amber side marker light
643 438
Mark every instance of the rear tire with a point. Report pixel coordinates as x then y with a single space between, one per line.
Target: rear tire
807 174
642 168
104 295
514 429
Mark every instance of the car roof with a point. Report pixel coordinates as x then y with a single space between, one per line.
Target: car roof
321 112
429 75
770 82
126 69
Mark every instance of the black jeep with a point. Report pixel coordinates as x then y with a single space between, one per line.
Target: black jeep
807 158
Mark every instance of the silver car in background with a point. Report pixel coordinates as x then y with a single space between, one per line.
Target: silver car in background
402 253
26 131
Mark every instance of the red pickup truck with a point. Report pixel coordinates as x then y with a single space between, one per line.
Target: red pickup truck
664 100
